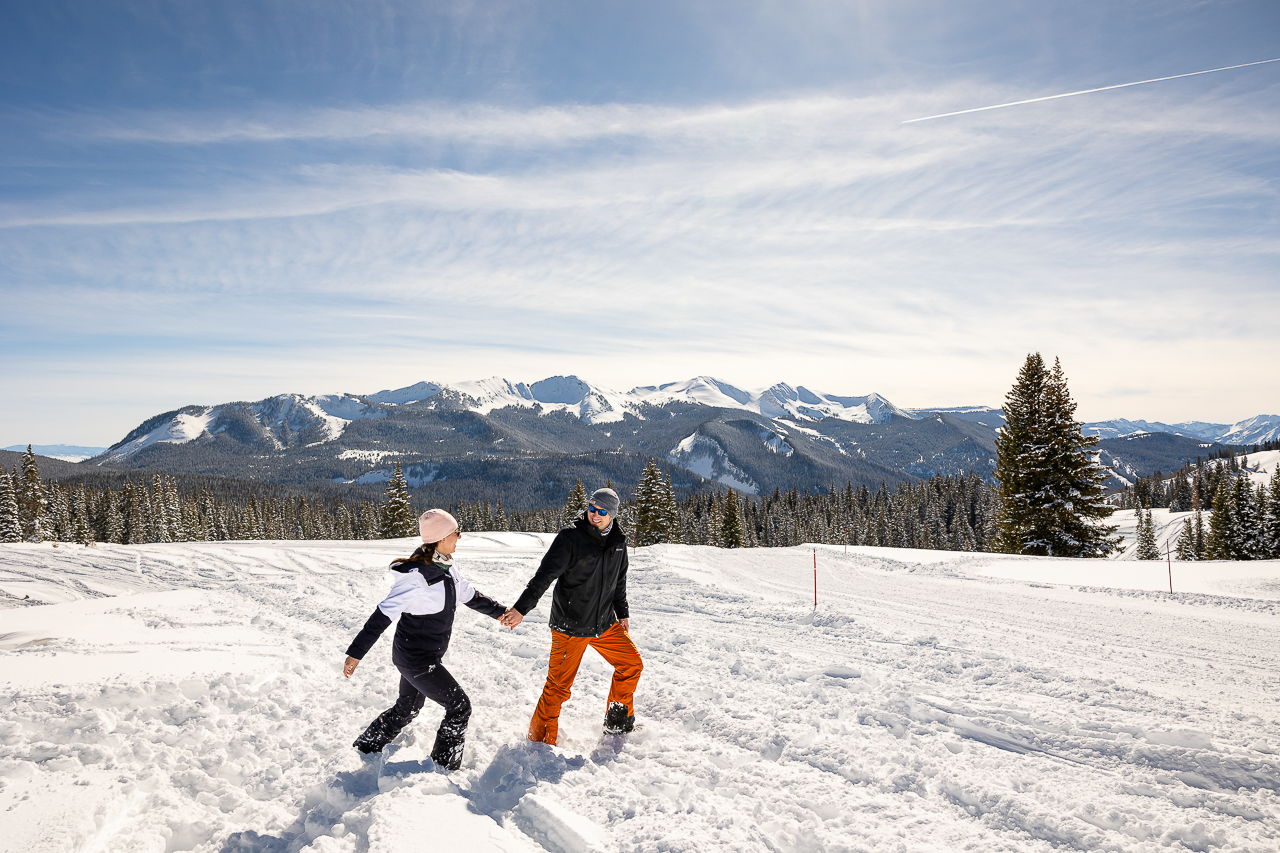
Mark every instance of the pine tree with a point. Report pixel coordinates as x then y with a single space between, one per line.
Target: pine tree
32 503
1223 541
731 532
397 518
1186 550
80 504
1148 548
10 522
1271 518
1052 497
575 507
649 525
670 513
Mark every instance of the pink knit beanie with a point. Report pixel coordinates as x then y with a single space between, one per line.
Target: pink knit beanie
436 524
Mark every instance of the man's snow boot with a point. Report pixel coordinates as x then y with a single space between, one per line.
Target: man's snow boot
617 721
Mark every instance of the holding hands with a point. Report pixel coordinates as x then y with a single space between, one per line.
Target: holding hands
511 618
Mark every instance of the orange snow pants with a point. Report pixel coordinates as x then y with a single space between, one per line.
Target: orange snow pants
614 646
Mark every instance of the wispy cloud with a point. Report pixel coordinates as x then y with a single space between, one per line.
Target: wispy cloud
813 239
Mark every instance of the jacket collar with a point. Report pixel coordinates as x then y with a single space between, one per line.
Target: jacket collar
615 532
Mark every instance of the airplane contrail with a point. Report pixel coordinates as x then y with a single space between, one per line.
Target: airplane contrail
1087 91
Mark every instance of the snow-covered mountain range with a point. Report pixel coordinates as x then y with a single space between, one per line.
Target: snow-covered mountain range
464 437
1255 430
290 420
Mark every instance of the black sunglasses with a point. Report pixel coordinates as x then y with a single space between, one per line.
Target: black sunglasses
597 510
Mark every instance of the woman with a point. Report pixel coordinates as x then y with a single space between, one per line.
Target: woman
425 594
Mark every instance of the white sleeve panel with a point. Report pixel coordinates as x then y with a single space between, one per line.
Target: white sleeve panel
411 594
466 591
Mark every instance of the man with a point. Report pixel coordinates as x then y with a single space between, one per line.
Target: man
588 562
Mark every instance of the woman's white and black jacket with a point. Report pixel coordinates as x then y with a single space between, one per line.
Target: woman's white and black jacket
424 596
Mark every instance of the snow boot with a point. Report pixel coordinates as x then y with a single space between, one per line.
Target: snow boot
617 721
372 739
450 740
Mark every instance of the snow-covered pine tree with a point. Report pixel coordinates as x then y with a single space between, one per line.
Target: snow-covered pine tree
32 503
1186 550
80 507
10 522
1249 514
397 518
60 526
1271 518
670 513
648 525
575 506
1148 548
1052 497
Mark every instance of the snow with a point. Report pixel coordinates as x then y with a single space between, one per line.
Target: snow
776 401
705 457
404 396
188 697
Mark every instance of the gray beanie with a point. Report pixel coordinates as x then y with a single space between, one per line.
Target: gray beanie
606 499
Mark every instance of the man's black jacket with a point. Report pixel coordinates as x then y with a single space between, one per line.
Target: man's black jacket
591 575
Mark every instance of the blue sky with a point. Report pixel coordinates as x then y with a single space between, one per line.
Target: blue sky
202 202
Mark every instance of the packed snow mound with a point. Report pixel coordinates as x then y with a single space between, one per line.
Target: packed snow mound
189 697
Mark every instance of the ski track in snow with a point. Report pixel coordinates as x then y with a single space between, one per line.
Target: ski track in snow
189 697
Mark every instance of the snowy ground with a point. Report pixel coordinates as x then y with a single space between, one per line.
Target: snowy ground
188 697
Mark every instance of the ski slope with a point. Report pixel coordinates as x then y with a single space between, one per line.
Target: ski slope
188 697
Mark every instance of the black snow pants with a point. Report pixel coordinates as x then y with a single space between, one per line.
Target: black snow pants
439 686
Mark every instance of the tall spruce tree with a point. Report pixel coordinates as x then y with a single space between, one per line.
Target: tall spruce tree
397 518
10 522
32 501
1223 541
1148 548
1051 492
731 532
1186 550
1271 518
649 525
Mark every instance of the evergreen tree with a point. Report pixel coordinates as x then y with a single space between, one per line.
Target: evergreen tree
1148 548
83 529
1052 497
1249 510
575 507
10 522
1223 541
1186 550
397 518
649 526
32 503
670 513
731 532
1271 518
